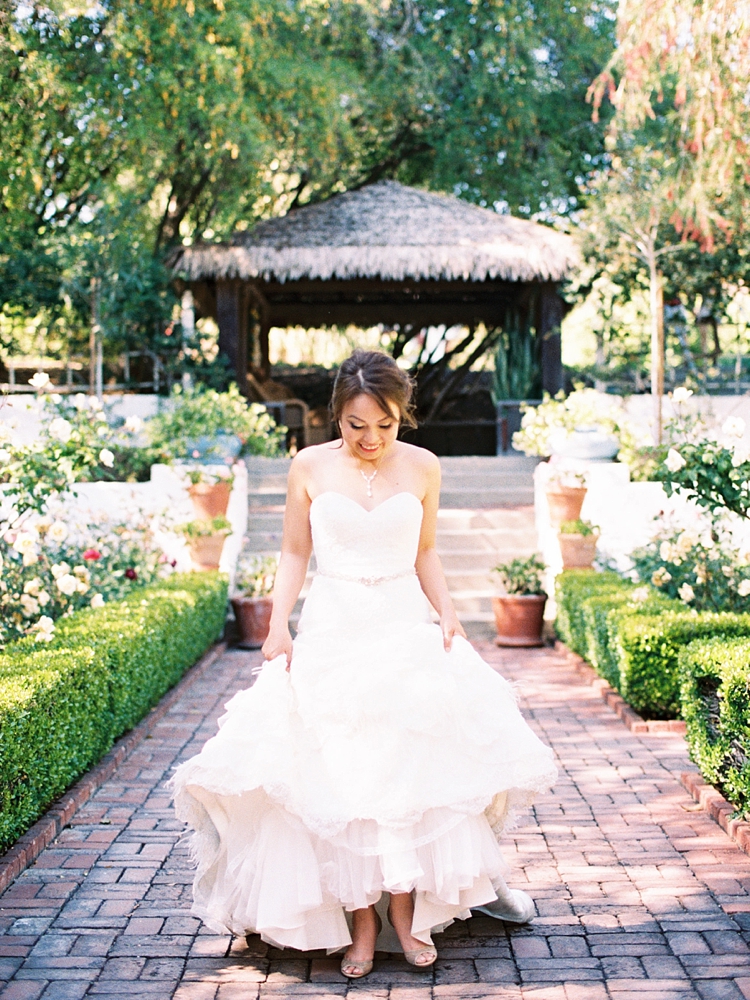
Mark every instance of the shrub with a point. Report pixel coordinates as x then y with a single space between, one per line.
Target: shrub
63 705
715 690
647 647
572 587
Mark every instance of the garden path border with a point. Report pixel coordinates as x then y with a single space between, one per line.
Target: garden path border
635 722
30 845
718 808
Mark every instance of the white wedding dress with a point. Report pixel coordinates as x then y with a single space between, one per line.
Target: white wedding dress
379 763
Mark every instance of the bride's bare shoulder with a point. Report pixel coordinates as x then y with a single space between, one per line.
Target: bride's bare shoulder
314 456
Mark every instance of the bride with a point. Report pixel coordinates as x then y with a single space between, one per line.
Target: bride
360 786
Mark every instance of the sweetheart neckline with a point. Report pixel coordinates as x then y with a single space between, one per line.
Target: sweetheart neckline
372 510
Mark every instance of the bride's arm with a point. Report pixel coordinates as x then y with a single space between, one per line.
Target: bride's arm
296 546
429 570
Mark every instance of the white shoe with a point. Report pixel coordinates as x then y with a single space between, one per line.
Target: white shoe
514 906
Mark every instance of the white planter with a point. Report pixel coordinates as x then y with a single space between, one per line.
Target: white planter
585 443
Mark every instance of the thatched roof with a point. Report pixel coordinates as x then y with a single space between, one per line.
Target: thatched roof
386 231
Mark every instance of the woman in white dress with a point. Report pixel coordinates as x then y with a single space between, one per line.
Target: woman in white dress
360 786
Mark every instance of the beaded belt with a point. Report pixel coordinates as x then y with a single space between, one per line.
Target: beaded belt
370 581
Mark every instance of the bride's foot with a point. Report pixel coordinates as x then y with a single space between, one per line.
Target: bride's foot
357 961
401 916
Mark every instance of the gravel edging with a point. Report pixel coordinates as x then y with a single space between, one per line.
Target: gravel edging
635 722
30 845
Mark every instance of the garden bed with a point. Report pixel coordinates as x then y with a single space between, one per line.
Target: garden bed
64 703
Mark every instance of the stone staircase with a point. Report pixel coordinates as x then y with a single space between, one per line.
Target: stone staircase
486 516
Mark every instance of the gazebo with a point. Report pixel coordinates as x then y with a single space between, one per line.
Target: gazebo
385 253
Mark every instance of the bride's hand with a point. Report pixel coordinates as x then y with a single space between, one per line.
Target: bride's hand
450 626
278 643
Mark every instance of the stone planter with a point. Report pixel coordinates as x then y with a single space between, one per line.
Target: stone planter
578 551
588 443
519 619
205 551
253 615
565 503
210 500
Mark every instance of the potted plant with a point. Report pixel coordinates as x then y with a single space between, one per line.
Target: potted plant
206 540
519 612
578 543
566 491
209 492
252 601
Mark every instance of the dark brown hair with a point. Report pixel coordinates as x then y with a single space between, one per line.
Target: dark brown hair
374 374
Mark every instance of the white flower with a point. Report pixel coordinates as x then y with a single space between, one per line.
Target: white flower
740 454
5 456
660 577
33 587
39 380
674 461
67 584
640 594
727 571
25 541
60 429
665 552
95 403
65 466
686 542
133 424
681 394
58 531
29 604
56 398
30 558
82 573
707 541
59 569
686 592
106 458
102 430
744 588
45 627
80 401
43 598
97 601
734 427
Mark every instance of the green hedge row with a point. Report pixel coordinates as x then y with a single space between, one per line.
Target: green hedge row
635 645
715 692
64 703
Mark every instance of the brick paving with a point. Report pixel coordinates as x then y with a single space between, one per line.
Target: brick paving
640 895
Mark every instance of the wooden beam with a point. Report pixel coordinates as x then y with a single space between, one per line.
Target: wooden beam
550 312
232 319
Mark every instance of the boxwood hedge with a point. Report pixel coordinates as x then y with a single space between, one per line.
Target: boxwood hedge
715 688
573 587
63 704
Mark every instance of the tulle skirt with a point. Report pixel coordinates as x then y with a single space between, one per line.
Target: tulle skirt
380 763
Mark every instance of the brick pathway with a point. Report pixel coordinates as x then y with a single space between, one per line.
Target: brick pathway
640 895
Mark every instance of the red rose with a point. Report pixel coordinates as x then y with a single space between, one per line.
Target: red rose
92 555
131 574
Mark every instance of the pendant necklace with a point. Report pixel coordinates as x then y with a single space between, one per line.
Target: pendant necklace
368 480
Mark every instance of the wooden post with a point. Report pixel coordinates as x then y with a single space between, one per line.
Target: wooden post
262 328
231 316
550 312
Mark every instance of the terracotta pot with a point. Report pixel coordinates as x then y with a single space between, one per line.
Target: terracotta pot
210 500
565 504
253 616
205 551
578 551
519 619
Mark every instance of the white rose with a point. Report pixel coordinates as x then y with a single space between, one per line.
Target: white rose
660 577
665 552
5 456
681 395
740 455
45 627
60 429
67 584
133 425
674 461
43 598
32 587
95 403
744 588
686 592
58 531
102 430
29 604
39 380
59 569
56 398
640 594
734 427
80 401
106 458
30 558
97 601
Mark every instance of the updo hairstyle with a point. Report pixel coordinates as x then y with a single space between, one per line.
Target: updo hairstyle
374 374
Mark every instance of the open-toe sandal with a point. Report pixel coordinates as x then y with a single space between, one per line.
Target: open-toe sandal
363 967
411 956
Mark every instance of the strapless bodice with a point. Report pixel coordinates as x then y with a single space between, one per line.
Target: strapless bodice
353 543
